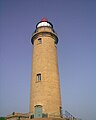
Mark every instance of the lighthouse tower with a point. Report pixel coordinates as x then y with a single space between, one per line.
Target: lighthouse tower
45 99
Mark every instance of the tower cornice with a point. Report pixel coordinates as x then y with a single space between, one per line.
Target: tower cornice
44 33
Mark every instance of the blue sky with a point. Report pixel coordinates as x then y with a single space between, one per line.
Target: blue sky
75 23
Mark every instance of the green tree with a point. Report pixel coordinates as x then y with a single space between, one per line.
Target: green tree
2 118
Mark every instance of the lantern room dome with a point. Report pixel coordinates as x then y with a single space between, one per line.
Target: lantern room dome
44 22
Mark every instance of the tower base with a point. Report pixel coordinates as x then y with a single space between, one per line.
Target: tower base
26 116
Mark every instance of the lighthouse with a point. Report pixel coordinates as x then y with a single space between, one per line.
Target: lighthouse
45 98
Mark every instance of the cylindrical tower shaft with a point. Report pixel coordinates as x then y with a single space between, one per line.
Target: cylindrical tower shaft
45 96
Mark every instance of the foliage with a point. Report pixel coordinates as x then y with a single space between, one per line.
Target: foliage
2 118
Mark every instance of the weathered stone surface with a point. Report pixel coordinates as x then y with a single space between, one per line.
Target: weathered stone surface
44 61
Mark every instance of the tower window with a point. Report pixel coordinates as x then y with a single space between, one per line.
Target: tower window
39 77
55 45
61 112
39 40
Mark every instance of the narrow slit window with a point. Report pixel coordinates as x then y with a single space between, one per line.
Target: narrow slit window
55 45
39 77
39 40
